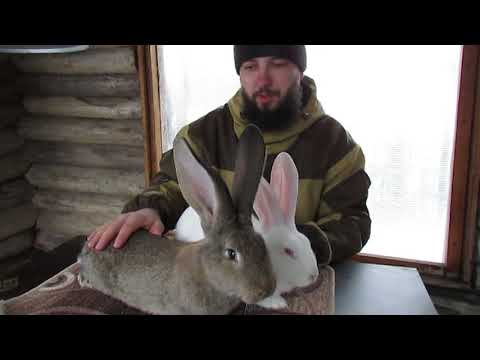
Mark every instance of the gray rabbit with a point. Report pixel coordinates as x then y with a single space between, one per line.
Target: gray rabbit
160 275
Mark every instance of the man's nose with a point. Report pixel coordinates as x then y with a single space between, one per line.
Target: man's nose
264 77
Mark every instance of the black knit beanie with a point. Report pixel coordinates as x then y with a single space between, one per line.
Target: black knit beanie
295 53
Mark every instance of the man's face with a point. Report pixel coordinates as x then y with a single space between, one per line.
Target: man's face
267 80
271 92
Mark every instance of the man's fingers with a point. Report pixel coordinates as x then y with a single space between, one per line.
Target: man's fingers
95 236
157 228
135 222
92 240
109 234
125 231
131 224
92 235
122 228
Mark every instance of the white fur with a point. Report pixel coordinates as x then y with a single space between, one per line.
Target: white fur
290 272
189 228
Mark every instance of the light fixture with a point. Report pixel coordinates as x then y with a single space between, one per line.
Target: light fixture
41 49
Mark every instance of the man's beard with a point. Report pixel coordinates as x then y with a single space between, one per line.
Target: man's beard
277 119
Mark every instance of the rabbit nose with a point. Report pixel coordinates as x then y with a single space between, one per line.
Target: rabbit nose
313 277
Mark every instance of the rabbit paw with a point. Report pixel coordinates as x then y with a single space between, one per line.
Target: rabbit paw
273 302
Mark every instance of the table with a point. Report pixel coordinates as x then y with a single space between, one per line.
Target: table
371 289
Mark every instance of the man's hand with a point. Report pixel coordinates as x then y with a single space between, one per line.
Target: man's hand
123 226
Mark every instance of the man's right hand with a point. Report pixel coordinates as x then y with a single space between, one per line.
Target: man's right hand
123 226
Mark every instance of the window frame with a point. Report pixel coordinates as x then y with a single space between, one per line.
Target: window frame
147 65
464 199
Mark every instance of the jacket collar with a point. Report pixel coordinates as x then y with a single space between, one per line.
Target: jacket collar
311 113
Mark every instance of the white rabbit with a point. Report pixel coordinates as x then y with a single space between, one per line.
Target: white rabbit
294 263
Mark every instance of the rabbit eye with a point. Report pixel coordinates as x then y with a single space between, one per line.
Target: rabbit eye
289 252
231 254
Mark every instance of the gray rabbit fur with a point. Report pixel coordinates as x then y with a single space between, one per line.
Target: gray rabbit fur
160 275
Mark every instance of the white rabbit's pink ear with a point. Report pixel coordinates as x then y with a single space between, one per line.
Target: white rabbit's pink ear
266 206
284 182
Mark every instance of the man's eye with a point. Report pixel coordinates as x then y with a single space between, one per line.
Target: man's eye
280 63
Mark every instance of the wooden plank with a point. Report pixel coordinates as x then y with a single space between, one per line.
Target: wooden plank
86 155
423 267
9 114
88 85
101 181
13 264
141 60
154 103
47 241
16 244
71 224
65 201
477 277
15 193
473 187
12 282
81 130
111 60
9 141
443 282
10 92
456 306
4 58
461 158
88 107
17 219
8 72
13 165
150 97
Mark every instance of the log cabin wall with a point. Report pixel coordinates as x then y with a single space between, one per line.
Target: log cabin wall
477 252
17 214
83 135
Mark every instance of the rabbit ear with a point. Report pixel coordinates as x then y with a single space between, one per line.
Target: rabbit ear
284 182
201 186
249 165
266 206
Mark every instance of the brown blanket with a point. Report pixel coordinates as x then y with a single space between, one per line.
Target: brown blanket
62 295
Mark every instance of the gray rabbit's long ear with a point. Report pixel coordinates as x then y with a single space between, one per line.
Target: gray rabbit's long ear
249 166
201 186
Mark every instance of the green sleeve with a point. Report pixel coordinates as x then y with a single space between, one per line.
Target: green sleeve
342 226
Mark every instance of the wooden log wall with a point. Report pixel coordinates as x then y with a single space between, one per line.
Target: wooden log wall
83 134
17 214
477 253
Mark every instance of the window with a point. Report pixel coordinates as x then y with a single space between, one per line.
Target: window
193 85
399 103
